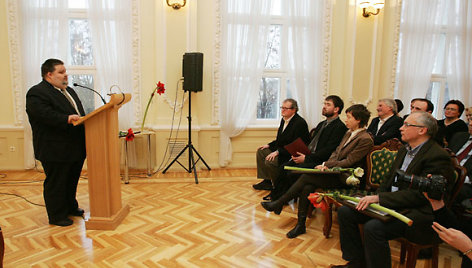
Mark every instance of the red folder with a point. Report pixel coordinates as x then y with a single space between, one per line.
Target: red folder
297 146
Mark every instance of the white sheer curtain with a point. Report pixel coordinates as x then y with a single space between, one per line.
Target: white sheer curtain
44 34
243 50
459 46
110 25
419 31
305 34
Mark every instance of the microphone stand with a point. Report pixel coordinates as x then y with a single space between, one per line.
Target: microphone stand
103 100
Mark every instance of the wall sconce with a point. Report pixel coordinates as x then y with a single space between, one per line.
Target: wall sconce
372 4
176 5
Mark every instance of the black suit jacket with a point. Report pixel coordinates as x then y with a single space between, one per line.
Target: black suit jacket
458 140
328 141
430 159
53 138
389 130
297 127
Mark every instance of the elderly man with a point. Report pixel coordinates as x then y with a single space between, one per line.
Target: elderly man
386 126
421 156
273 154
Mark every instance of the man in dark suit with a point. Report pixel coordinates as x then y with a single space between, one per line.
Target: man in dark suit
387 125
461 145
271 155
52 106
421 156
325 138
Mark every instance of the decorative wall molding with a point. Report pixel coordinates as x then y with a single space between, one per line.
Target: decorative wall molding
327 15
396 45
13 24
136 61
216 88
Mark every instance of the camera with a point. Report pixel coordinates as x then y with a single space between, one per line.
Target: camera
435 185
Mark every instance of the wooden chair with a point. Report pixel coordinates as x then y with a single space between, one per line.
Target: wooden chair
378 163
414 248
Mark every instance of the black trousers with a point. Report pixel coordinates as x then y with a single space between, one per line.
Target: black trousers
307 184
60 188
375 250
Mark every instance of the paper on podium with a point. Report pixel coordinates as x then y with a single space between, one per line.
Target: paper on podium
297 146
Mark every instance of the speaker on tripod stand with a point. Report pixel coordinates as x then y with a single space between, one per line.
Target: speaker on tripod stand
192 71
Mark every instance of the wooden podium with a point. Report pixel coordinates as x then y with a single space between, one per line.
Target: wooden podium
103 165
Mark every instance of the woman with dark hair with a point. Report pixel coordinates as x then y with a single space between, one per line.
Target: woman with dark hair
351 152
451 123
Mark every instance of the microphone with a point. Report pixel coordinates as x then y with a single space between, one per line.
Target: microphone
77 85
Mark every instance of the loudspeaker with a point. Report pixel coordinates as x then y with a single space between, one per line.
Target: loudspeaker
192 71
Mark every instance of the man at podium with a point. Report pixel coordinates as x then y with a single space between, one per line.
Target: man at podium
52 106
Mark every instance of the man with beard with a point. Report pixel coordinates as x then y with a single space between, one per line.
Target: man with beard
325 138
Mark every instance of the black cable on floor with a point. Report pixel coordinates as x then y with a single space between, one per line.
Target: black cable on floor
17 195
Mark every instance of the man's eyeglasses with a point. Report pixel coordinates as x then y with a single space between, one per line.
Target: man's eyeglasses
285 108
406 124
450 109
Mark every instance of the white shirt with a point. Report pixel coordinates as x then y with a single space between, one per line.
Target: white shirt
286 122
353 134
382 121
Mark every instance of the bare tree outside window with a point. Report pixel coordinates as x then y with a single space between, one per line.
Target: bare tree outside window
267 105
80 43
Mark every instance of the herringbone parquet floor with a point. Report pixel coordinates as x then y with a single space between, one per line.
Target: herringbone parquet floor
173 223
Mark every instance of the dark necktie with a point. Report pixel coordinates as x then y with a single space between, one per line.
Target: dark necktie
464 153
314 141
63 91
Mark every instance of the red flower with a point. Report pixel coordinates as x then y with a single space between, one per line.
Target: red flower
318 201
130 135
160 88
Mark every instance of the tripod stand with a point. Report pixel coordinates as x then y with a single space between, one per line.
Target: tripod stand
189 146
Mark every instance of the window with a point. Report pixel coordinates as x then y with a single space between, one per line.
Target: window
274 87
80 62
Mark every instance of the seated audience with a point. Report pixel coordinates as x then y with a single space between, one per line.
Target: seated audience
468 114
461 145
452 123
271 155
326 137
420 104
421 156
386 126
399 106
351 152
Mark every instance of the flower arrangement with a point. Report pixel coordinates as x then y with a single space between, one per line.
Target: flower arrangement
160 88
319 200
129 135
356 173
353 179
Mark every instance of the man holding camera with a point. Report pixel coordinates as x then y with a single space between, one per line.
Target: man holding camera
421 156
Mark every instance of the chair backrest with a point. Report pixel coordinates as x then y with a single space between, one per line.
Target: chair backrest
460 173
379 161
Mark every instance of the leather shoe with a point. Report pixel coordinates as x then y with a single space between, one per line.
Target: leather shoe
298 230
63 222
263 185
78 212
267 197
351 264
272 206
